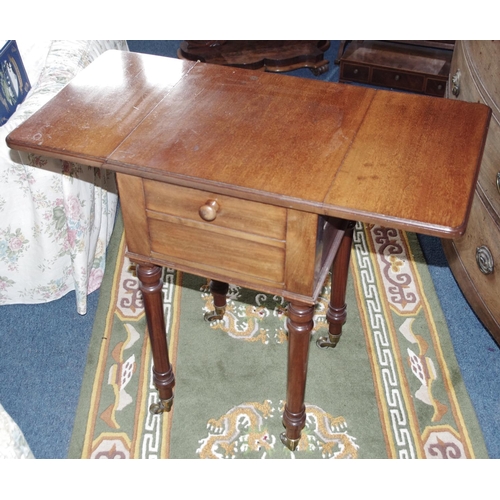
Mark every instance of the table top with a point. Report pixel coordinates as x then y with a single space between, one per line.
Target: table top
399 160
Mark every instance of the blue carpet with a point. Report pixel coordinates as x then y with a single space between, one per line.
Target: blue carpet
43 352
477 353
43 348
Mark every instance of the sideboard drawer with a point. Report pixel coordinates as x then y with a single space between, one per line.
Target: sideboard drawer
479 252
489 175
465 85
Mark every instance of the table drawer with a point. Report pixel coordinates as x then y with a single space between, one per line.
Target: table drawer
232 213
229 254
233 238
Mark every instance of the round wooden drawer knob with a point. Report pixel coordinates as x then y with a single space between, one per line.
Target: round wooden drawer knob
484 260
208 211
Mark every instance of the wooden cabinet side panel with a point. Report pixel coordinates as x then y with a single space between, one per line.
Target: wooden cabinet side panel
300 259
133 209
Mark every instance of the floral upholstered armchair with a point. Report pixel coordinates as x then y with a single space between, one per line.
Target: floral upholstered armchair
56 217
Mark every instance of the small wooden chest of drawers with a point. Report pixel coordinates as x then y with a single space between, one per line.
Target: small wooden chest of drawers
474 258
404 66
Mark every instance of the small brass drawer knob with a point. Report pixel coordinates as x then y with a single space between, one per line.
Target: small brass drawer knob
208 211
455 84
397 77
498 182
484 260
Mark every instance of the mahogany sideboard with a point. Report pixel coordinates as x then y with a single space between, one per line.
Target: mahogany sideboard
257 178
474 258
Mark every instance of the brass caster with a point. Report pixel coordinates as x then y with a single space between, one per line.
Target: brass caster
328 342
216 314
162 406
291 444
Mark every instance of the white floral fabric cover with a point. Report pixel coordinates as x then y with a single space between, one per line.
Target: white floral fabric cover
56 217
12 441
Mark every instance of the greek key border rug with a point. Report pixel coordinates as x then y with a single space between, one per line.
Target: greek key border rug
390 389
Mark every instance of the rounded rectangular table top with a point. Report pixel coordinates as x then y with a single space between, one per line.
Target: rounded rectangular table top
402 160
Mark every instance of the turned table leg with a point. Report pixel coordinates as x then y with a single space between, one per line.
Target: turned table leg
219 291
337 308
300 324
150 284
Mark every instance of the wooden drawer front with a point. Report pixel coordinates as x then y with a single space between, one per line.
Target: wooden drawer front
398 79
435 87
486 57
233 213
205 251
245 239
482 237
489 175
355 72
472 91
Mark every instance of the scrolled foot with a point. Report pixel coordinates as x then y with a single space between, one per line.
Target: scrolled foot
163 405
216 314
328 342
291 444
319 71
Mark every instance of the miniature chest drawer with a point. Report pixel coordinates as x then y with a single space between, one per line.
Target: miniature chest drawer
436 87
355 72
398 79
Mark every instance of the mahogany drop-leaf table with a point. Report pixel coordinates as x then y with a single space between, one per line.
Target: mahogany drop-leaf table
257 178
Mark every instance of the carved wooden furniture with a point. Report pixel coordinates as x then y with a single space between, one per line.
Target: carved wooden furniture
255 178
420 66
474 258
270 55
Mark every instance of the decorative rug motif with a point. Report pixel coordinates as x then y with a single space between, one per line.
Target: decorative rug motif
390 389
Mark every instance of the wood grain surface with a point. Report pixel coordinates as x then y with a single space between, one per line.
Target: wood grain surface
376 156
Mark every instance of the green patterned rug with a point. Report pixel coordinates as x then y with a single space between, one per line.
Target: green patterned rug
391 388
